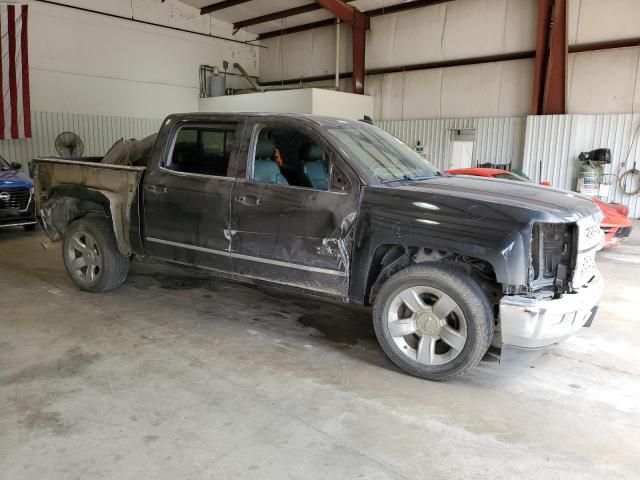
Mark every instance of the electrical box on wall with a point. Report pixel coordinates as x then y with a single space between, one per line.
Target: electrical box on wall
463 135
314 101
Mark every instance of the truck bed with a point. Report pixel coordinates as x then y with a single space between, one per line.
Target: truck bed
79 181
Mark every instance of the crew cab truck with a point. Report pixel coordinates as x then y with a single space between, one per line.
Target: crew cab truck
337 208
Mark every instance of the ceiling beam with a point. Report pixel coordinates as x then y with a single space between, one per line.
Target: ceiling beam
214 7
296 29
371 13
340 9
270 17
401 7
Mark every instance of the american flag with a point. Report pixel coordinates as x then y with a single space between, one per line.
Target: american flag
15 109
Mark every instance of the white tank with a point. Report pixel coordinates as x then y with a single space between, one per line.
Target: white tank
216 85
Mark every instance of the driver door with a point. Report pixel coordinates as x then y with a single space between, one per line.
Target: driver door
293 206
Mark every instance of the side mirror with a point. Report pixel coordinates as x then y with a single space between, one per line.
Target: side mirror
16 165
545 184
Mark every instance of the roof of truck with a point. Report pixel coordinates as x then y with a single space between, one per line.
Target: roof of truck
318 119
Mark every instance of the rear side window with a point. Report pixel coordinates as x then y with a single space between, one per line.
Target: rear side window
204 150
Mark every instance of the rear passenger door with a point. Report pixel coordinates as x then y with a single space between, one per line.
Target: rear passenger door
186 197
292 209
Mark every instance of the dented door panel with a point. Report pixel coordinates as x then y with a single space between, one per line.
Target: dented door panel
292 235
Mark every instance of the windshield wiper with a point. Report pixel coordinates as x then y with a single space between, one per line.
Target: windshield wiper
409 178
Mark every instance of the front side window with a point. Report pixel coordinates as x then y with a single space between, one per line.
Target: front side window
382 154
205 150
287 156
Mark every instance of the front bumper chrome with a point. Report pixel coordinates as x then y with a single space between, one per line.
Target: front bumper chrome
531 324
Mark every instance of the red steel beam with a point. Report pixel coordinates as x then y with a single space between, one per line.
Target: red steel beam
541 59
344 12
555 98
359 25
550 69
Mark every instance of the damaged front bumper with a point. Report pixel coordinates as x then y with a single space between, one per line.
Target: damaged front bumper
528 326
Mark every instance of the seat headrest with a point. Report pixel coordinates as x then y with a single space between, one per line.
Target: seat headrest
311 152
264 148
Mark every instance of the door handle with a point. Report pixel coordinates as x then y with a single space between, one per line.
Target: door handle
156 189
249 200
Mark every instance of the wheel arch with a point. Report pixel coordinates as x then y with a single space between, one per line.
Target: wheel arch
388 259
67 203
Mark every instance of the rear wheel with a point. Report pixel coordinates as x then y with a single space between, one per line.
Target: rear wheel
433 321
91 255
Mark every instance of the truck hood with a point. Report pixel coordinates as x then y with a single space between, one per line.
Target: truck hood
14 179
561 205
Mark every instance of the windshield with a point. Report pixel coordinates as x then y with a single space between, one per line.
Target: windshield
511 176
4 165
385 156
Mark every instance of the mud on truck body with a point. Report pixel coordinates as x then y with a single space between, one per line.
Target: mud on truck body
341 209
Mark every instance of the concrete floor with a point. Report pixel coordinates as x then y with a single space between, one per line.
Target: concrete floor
177 377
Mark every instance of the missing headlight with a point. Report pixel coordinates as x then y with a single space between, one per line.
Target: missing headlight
551 255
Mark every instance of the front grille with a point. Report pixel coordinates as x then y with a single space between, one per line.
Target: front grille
592 232
623 232
586 269
590 238
15 198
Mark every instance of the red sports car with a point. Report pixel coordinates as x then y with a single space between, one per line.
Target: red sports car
615 225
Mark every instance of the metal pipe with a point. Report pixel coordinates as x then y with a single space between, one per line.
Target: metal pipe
337 53
248 77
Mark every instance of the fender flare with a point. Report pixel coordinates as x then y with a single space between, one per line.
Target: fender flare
111 203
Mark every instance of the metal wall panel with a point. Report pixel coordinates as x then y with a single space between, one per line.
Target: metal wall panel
498 140
98 133
553 143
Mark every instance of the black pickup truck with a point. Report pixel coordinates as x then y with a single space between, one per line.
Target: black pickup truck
342 209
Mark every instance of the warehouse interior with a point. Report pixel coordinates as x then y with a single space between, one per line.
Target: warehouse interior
178 373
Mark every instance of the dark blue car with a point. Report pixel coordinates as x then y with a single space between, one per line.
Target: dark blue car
17 207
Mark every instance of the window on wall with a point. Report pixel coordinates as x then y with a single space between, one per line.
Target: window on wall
287 156
205 150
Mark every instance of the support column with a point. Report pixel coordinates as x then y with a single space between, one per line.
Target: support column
359 33
550 72
359 25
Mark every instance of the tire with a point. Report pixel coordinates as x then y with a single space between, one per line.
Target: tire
29 228
455 341
91 255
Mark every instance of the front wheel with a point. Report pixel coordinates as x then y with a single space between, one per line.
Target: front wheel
433 321
91 255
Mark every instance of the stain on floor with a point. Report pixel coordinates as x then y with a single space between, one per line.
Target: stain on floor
73 363
339 328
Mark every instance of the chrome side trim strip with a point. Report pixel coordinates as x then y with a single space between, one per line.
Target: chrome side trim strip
290 265
21 224
185 245
250 258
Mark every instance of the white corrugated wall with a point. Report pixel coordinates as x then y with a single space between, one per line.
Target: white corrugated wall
497 140
553 143
98 133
